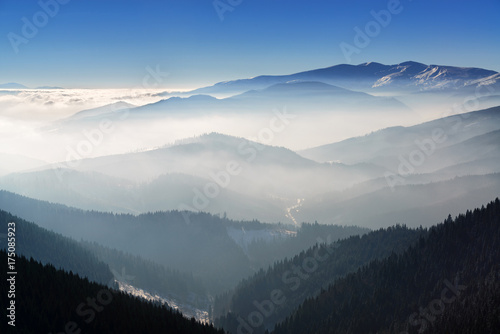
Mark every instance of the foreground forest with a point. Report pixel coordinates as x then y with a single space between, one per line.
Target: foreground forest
444 279
305 274
53 301
449 282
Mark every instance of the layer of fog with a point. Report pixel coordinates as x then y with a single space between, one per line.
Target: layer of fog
275 184
37 129
25 116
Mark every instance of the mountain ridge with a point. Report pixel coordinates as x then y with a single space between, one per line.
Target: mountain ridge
369 73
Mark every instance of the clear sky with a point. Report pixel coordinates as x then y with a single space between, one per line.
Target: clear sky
112 43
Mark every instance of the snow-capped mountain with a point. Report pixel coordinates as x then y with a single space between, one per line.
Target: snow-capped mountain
436 76
410 75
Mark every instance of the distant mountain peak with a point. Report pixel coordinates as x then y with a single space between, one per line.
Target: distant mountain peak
409 76
102 110
49 87
372 64
206 138
13 85
411 63
294 87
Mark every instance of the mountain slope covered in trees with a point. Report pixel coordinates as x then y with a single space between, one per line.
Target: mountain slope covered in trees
447 283
198 243
151 276
304 275
49 247
53 301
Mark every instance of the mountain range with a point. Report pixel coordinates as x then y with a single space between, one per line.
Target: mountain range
406 76
298 111
311 185
302 203
15 85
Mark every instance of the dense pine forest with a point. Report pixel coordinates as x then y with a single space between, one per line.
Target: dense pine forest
150 276
449 282
305 274
49 247
54 301
264 252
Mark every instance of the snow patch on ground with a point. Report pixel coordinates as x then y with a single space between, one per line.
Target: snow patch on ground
187 310
385 80
492 79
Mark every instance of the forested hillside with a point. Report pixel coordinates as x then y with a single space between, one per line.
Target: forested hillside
151 276
53 301
209 244
266 252
448 283
49 247
305 275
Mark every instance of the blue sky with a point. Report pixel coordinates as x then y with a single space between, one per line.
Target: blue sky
111 43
